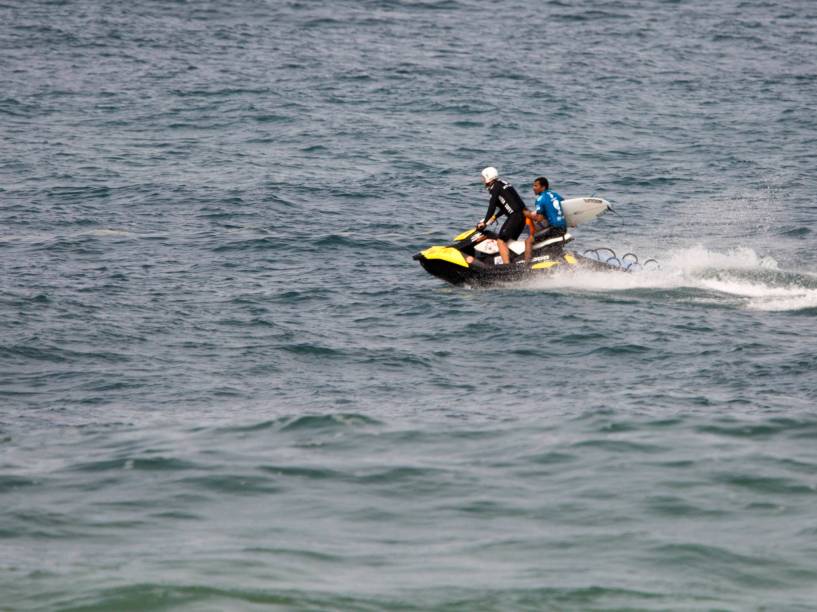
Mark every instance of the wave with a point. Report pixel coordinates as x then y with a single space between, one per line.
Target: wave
102 232
49 238
340 420
167 594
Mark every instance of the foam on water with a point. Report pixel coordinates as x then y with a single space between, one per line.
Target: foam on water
757 281
699 258
759 296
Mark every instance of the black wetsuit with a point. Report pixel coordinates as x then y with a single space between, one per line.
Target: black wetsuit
506 201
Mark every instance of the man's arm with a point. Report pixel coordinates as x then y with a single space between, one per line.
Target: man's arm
489 216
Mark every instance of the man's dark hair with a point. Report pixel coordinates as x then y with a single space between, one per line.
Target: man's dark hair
542 181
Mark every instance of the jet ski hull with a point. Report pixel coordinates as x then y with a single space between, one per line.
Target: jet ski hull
456 272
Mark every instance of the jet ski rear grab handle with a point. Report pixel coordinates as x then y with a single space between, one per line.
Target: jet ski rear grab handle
613 259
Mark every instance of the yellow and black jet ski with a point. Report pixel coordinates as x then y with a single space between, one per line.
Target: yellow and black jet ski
473 257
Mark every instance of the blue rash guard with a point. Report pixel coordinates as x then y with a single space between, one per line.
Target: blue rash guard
549 204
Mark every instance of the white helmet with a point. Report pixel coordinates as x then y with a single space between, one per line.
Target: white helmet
489 174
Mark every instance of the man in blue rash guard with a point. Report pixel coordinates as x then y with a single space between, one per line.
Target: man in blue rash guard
548 215
504 201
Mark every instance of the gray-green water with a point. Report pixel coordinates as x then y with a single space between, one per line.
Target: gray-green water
225 385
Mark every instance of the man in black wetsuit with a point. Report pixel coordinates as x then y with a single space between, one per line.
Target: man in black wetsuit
504 201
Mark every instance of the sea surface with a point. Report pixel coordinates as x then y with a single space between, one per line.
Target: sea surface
226 385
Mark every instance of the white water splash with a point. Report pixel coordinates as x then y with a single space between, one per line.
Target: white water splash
760 296
739 276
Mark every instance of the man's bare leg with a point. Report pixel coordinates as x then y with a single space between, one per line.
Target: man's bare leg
503 251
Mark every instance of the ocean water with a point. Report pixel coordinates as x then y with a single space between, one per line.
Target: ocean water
226 385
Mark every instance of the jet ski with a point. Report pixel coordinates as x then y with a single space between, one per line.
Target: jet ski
473 257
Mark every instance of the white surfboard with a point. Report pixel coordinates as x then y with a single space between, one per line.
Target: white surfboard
582 210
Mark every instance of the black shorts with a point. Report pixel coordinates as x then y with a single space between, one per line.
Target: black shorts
512 227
